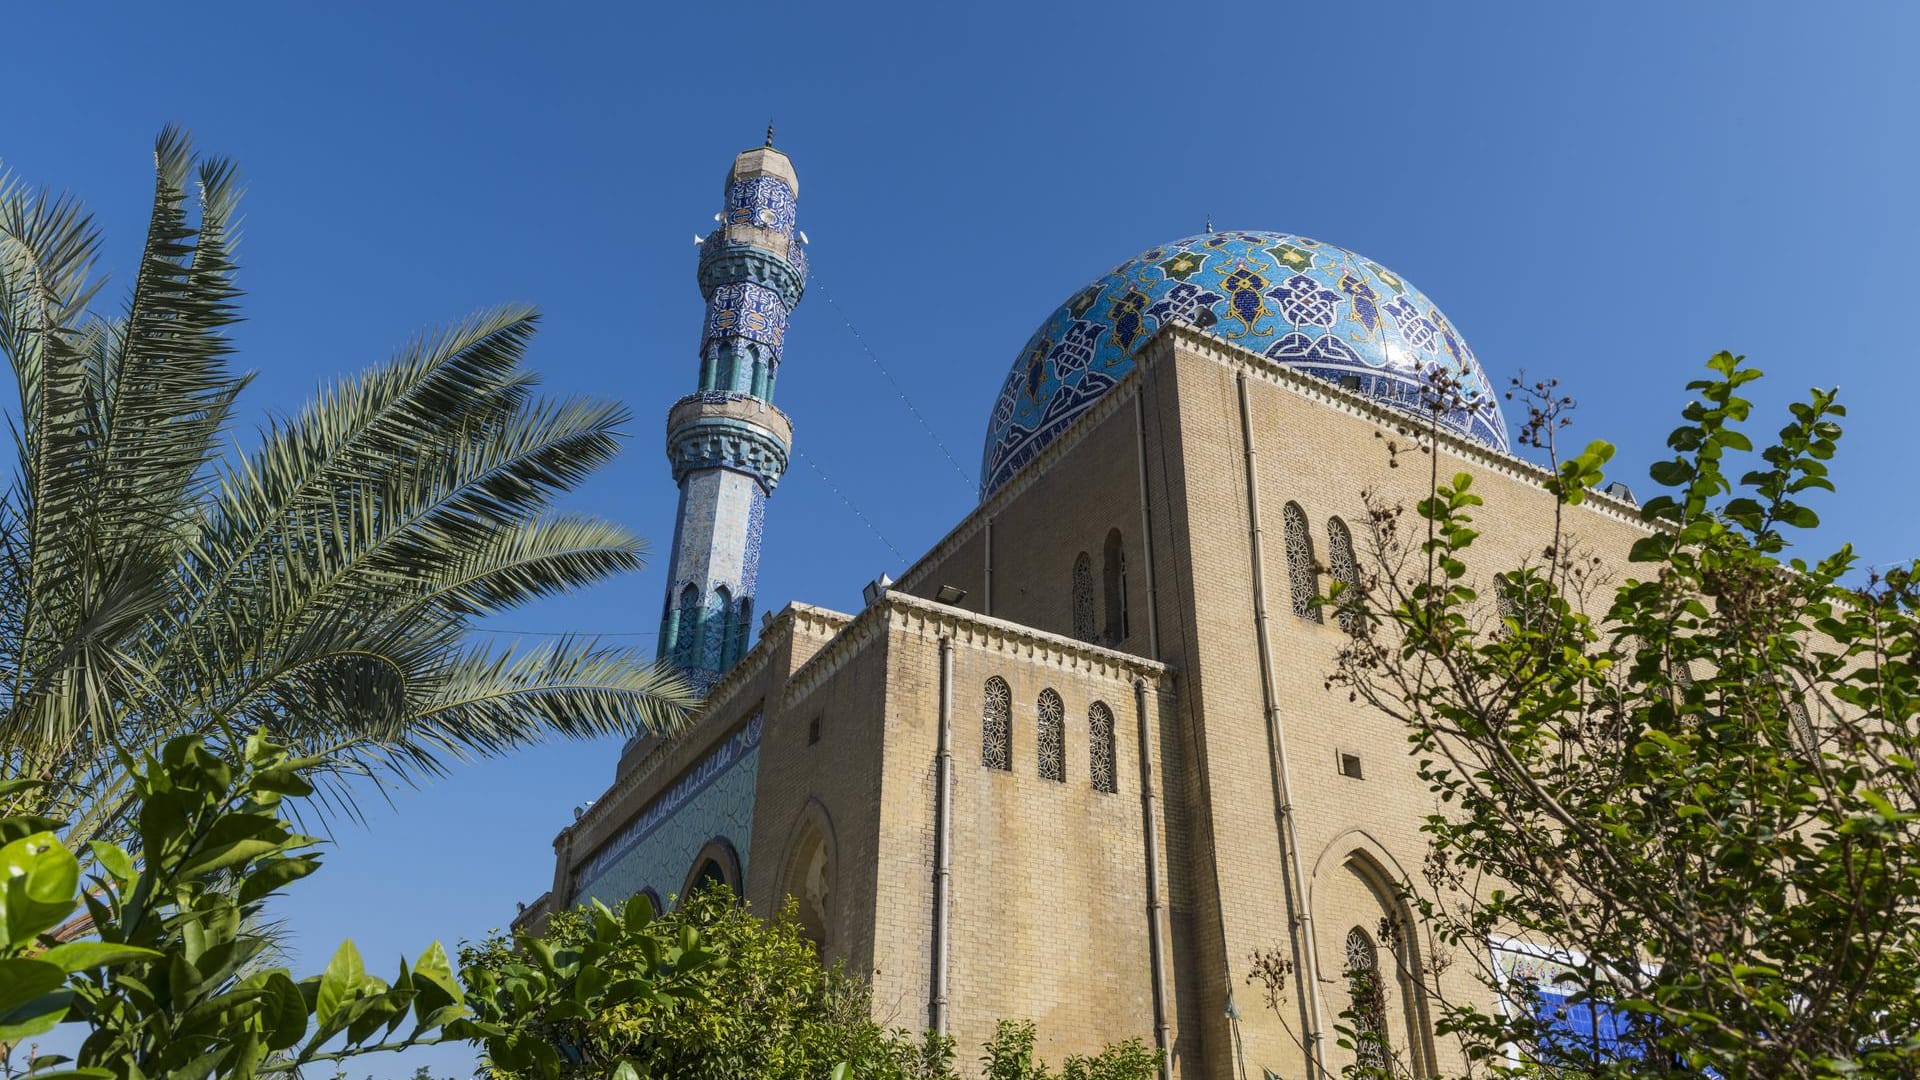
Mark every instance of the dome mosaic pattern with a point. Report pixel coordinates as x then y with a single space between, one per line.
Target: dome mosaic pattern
1311 306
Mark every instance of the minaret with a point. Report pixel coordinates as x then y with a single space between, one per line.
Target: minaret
727 442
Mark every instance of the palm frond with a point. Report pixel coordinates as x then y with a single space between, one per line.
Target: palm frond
319 587
502 697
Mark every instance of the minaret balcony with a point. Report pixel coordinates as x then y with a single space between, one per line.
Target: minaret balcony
726 430
765 257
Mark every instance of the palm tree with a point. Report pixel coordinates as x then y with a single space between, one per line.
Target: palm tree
320 586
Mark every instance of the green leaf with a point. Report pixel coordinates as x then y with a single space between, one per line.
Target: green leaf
286 1014
24 825
338 982
113 859
284 780
1881 805
1673 473
32 998
234 839
271 875
436 989
639 913
83 955
22 979
39 887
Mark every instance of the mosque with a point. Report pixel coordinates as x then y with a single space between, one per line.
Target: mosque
1080 762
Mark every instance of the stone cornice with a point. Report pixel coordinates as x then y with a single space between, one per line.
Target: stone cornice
1235 357
896 610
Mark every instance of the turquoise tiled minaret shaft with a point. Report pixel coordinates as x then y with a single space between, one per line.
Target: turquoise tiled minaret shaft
727 442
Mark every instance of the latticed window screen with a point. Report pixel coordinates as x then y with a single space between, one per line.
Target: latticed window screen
1506 597
1051 736
1801 723
1300 569
1369 999
1346 571
1100 747
1083 619
996 725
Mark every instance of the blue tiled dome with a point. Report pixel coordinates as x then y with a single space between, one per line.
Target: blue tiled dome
1309 305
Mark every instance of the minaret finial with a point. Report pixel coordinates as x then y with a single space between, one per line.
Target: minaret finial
769 134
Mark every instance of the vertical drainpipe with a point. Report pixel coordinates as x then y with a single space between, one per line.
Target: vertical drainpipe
1308 973
1146 521
942 844
1156 915
986 601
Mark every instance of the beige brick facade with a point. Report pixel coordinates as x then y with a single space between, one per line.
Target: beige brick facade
1049 914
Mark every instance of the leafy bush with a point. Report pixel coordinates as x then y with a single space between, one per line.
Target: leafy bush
1696 787
770 1013
176 979
1009 1055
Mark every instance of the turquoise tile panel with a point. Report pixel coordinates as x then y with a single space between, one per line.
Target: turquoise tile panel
656 849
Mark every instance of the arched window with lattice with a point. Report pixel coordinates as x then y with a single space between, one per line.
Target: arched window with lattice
1302 575
1345 569
1800 726
1083 618
1367 998
1100 747
1050 736
996 725
1115 571
1506 597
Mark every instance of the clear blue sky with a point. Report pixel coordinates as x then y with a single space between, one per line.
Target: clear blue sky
1607 193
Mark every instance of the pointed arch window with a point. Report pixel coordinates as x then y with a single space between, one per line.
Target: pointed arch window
1100 748
1345 570
1083 619
809 881
996 725
1368 1002
719 629
1302 575
742 629
1050 736
687 639
1116 581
